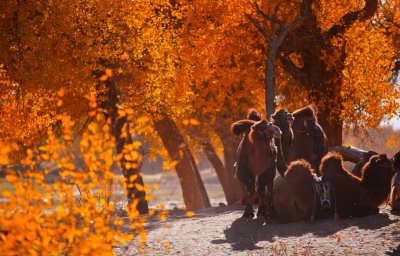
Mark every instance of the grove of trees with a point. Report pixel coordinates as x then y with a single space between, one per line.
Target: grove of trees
178 73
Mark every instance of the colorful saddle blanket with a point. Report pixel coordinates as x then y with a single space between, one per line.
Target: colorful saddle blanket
324 192
318 136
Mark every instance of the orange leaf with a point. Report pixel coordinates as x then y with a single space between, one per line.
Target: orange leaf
61 92
190 214
103 78
109 72
194 122
143 119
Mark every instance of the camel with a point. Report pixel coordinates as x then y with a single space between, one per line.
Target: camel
297 140
353 197
256 159
395 194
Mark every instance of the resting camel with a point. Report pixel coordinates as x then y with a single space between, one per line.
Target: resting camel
256 159
395 194
297 140
353 197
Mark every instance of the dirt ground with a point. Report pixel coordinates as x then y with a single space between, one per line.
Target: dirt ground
222 231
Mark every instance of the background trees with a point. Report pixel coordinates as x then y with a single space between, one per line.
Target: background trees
194 60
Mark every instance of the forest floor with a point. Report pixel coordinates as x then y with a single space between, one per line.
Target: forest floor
223 231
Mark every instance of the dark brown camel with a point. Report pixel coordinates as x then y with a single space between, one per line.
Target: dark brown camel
297 141
256 160
354 196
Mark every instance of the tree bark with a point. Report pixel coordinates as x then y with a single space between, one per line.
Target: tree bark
133 192
230 144
270 82
193 190
117 124
220 170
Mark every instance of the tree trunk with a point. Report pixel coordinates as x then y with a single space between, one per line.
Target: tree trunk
230 144
193 190
219 169
114 98
133 193
332 128
270 82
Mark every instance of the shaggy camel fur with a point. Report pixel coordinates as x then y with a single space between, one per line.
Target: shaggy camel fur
395 194
256 159
297 142
355 197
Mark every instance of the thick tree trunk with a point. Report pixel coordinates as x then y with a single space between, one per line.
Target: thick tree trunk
270 82
193 190
333 129
220 170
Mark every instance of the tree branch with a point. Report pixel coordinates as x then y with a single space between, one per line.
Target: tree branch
295 72
371 6
257 25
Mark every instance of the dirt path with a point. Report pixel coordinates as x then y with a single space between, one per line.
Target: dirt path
222 231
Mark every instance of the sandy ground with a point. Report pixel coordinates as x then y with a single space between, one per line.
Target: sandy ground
222 231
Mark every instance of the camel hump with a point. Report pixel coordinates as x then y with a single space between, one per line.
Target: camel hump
242 126
307 113
299 170
332 161
252 114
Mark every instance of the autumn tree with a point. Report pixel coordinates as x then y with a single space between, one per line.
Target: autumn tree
335 59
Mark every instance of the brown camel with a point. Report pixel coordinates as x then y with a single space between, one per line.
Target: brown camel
354 196
256 159
395 194
297 141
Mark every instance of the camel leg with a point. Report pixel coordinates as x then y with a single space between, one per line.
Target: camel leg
247 178
396 206
265 180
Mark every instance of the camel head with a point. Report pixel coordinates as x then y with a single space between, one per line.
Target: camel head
265 130
282 118
379 163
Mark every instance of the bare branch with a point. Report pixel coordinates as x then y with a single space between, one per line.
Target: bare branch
255 23
262 13
286 30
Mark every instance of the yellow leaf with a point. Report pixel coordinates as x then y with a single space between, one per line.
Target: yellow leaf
59 103
134 155
136 144
190 214
166 244
133 178
194 122
143 119
128 157
147 197
156 186
172 164
128 165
